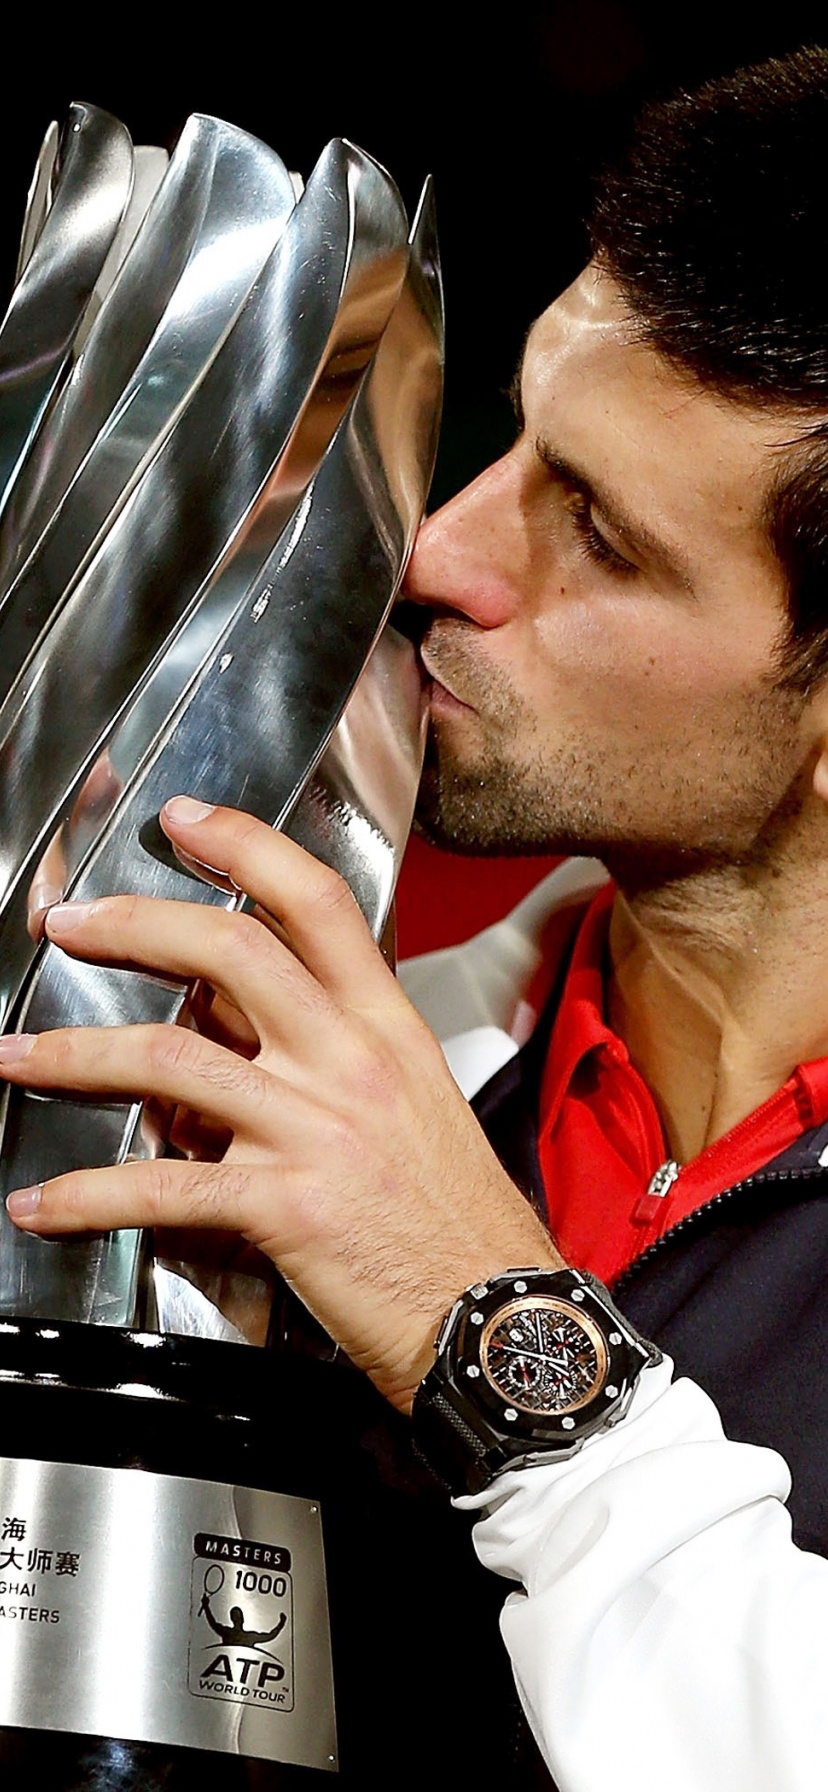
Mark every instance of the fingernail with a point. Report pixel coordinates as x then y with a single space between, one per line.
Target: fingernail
43 896
16 1046
66 915
22 1202
186 809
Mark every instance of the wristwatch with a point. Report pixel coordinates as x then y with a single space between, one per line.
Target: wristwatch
529 1365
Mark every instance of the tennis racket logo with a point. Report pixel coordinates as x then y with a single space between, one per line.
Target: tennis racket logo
241 1632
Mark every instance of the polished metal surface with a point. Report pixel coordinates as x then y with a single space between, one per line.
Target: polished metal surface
238 472
355 812
92 187
161 324
207 533
149 165
230 658
241 708
165 1610
286 664
38 200
183 1308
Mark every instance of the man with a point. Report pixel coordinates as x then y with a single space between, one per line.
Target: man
625 625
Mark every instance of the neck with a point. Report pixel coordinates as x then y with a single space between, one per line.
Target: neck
719 989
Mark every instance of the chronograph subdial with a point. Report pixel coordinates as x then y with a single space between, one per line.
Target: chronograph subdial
543 1355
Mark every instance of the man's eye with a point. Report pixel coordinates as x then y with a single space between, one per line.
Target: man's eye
592 543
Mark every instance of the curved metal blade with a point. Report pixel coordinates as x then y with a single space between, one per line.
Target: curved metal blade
297 643
338 266
38 200
251 730
149 165
355 812
161 324
93 185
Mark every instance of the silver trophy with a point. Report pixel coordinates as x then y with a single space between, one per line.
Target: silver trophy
219 400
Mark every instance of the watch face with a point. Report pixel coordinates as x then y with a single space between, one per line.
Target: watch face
543 1355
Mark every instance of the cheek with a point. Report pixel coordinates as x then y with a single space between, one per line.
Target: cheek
636 665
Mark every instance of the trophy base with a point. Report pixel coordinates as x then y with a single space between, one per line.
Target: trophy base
224 1565
164 1606
64 1763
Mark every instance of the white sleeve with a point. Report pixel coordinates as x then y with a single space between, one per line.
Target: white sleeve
669 1636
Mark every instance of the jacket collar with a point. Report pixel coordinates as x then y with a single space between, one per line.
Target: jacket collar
483 998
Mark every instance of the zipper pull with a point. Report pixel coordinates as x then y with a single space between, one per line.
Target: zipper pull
648 1206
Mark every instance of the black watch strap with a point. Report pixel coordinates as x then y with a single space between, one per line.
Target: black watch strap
455 1453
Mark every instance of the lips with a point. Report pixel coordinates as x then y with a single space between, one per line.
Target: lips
440 690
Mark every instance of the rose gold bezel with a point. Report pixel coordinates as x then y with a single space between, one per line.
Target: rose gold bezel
549 1304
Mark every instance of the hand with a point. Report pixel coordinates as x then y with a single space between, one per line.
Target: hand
355 1163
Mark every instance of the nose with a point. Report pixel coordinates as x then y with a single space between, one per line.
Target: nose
467 556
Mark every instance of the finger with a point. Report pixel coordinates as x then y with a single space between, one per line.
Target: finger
47 885
170 1063
165 1192
269 921
230 951
311 902
219 880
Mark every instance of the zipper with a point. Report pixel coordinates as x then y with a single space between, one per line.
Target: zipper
695 1221
648 1205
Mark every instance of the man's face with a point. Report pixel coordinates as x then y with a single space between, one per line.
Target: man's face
607 616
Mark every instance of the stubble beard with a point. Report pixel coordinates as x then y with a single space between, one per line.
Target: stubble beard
494 807
490 799
491 787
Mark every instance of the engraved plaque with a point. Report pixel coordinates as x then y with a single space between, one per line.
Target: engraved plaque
166 1610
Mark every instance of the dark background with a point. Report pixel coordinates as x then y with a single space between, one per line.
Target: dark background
512 121
513 124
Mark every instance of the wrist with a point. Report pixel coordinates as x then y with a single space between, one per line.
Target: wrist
423 1357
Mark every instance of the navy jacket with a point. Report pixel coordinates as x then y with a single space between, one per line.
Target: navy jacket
736 1294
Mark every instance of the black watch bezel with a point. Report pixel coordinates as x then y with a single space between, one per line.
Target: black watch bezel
468 1429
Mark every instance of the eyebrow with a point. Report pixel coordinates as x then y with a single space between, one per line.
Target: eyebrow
629 528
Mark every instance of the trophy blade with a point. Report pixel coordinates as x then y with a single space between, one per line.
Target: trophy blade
94 179
161 324
38 200
251 729
159 591
149 165
297 644
355 812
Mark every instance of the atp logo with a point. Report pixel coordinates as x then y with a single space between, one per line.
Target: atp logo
241 1623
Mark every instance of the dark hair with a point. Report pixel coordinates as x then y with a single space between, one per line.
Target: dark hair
713 226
